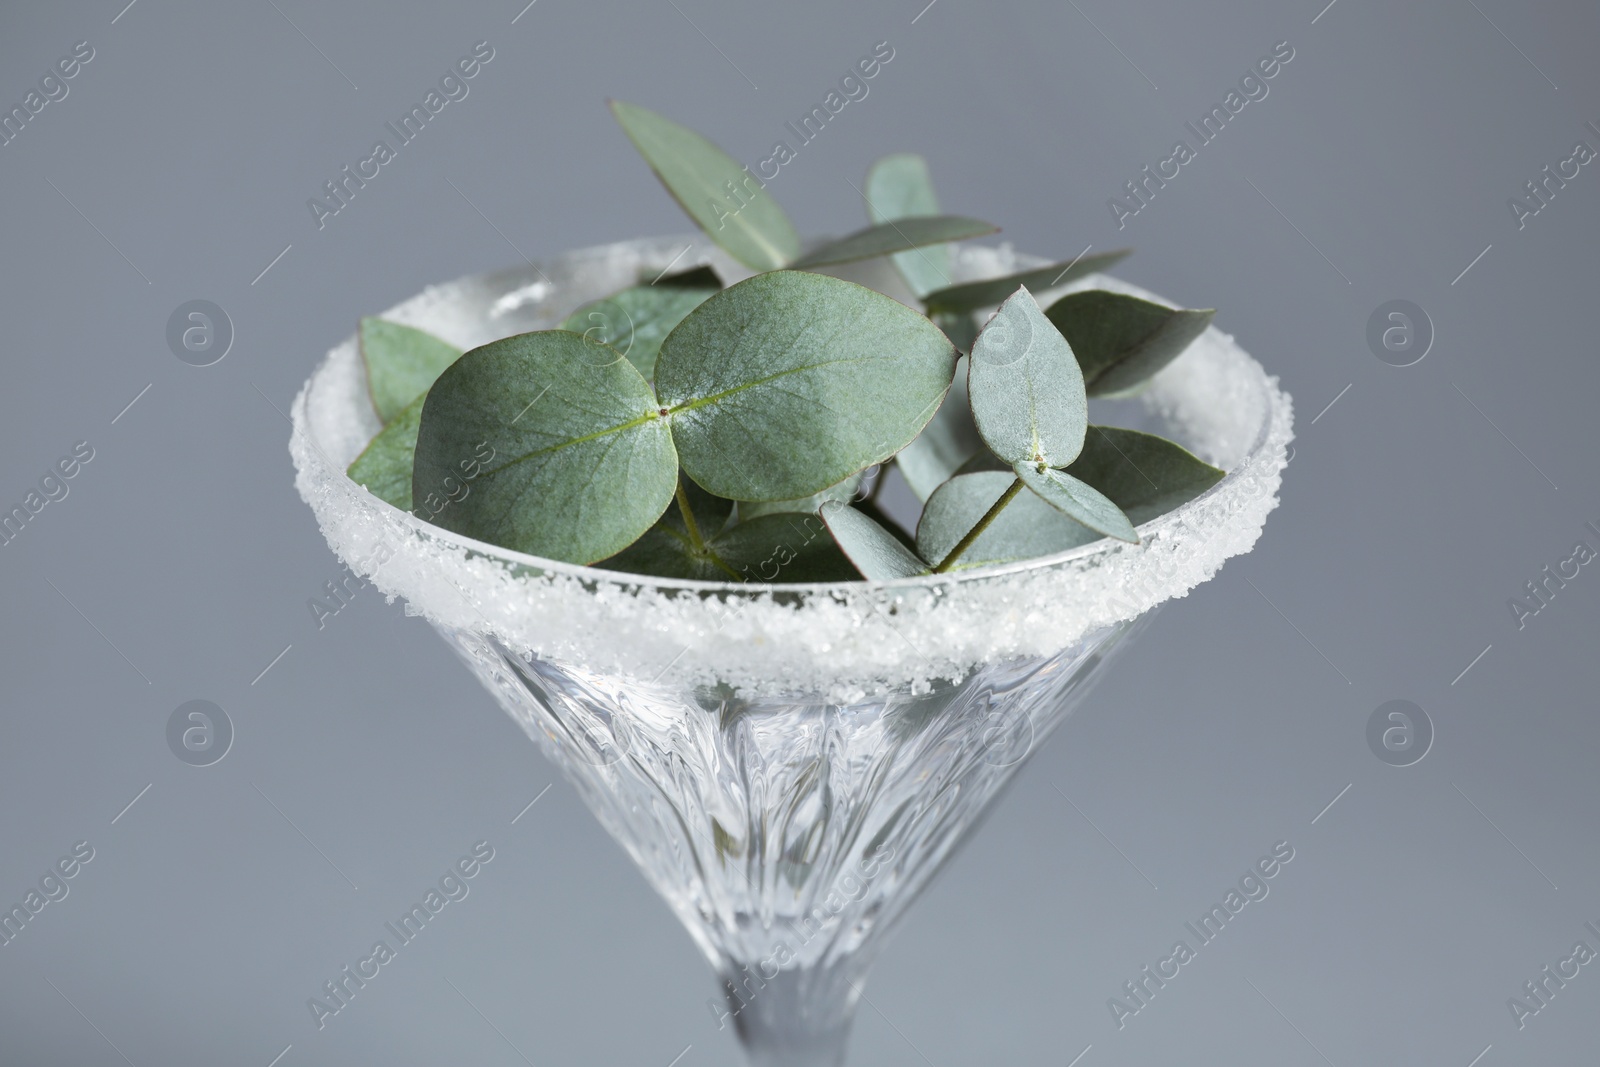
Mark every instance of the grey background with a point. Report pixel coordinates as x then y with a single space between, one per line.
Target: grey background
182 159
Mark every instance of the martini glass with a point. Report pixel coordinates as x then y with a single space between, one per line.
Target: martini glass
789 765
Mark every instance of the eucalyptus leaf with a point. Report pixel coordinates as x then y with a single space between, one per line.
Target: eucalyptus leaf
384 466
1026 528
1144 475
949 440
1122 340
583 462
1027 391
894 236
1077 500
898 187
960 326
970 296
807 505
772 548
750 225
789 382
874 551
702 277
635 321
402 361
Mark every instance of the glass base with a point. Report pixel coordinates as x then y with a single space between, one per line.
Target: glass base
787 834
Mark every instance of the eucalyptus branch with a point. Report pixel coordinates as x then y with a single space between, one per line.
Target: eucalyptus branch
983 524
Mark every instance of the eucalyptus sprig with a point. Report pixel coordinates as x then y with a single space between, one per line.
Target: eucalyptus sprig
685 430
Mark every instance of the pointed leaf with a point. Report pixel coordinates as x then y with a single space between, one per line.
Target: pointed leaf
751 227
583 463
789 382
898 187
635 321
874 551
970 296
1027 391
1026 528
402 362
894 236
949 440
806 505
1122 340
1078 500
1143 474
384 466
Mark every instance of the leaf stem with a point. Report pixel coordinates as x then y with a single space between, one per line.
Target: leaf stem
982 524
688 519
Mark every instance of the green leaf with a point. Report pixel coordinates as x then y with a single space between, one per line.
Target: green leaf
750 226
808 505
949 440
1143 474
1026 528
894 236
384 466
1027 391
899 187
402 362
635 321
960 326
1078 500
583 463
789 382
1122 340
874 551
772 548
970 296
703 277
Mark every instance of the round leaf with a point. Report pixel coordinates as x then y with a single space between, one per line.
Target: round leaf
583 461
1027 391
789 382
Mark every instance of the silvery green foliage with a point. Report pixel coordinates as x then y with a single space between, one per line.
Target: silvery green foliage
689 431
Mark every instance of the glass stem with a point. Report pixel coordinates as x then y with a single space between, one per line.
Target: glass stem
800 1017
